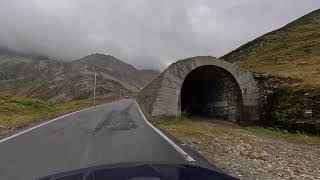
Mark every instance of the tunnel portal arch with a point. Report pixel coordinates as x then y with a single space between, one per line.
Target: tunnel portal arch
238 101
211 91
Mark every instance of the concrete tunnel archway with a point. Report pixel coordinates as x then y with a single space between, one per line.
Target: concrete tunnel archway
226 92
211 91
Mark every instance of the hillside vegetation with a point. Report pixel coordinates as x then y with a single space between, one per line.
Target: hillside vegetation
289 59
18 112
291 51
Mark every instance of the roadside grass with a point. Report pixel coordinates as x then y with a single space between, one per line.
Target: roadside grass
185 126
17 112
248 152
298 138
70 106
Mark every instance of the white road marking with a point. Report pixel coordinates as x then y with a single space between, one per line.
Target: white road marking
175 146
35 127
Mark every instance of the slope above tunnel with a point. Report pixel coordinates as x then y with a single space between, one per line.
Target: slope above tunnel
291 51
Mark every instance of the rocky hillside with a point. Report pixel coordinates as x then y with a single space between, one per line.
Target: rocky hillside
291 51
47 79
287 62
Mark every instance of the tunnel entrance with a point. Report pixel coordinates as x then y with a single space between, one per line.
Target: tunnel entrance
211 91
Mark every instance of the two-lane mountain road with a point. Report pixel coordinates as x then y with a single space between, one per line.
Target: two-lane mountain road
106 134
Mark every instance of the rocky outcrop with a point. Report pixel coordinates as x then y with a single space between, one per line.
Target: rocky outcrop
286 106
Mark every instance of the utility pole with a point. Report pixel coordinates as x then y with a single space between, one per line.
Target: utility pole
94 88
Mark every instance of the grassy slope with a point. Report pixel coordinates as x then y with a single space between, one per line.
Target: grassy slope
189 126
249 152
19 112
291 51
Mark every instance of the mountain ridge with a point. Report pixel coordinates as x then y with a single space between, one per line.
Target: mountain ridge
48 79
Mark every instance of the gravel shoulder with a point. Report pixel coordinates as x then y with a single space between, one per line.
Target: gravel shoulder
249 152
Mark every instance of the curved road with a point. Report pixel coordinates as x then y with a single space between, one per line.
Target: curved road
107 134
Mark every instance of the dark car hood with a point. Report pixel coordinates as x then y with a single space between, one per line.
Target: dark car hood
140 171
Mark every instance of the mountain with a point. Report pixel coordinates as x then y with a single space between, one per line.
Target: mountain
291 51
112 68
47 79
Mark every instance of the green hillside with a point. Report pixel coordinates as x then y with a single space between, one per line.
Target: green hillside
291 51
18 112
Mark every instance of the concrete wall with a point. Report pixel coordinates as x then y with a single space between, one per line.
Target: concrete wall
167 97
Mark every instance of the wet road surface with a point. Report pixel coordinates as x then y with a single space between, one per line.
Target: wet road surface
107 134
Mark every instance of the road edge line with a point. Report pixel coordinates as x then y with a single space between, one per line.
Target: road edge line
174 145
39 125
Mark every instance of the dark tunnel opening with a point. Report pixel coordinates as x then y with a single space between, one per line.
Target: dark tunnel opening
210 91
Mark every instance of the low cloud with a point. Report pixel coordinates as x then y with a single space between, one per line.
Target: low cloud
145 33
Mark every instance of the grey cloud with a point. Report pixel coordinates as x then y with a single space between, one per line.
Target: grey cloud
145 33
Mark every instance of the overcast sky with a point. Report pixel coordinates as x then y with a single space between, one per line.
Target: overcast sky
145 33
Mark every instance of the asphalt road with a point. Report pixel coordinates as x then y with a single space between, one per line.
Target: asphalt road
106 134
